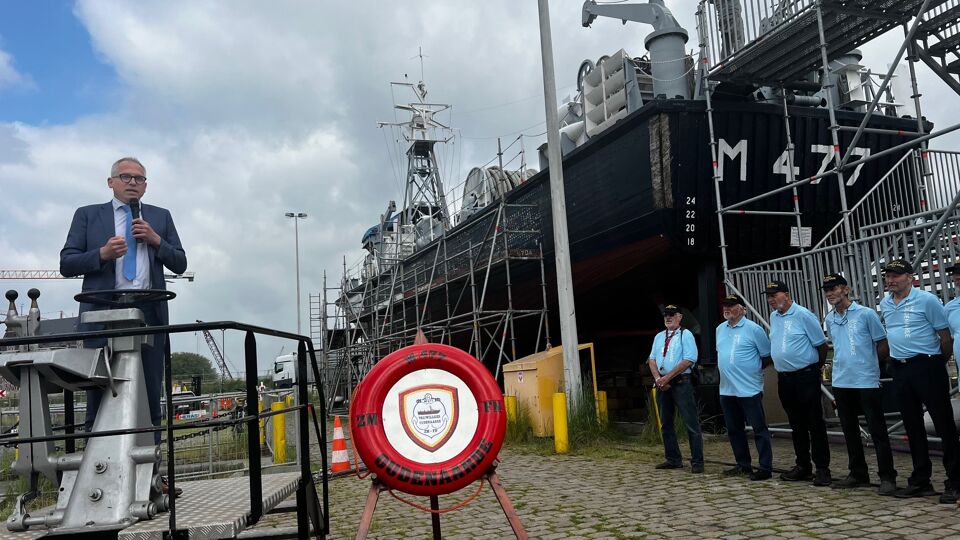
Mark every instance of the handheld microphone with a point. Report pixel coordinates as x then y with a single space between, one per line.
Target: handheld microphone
135 212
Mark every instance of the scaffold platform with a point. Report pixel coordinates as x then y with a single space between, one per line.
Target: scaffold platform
207 509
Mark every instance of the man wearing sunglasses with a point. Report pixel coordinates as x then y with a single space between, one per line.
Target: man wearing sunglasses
112 250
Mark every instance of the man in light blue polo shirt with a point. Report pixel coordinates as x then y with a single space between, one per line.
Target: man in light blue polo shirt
799 350
674 352
920 343
743 350
859 342
953 312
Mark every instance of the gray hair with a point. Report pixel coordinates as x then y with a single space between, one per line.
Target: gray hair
116 165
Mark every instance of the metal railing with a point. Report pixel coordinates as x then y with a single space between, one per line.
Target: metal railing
250 419
891 221
731 25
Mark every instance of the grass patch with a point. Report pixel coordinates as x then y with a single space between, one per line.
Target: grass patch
16 486
520 431
650 433
587 437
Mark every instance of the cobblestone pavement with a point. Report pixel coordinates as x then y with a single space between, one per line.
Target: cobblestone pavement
573 497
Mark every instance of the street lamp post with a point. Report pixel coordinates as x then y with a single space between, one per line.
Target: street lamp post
296 248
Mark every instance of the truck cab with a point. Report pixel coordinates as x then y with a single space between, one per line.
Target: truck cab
285 371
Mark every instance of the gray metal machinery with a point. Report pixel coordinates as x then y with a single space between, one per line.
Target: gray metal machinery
665 43
114 482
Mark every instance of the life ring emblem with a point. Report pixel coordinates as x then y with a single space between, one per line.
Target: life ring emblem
428 419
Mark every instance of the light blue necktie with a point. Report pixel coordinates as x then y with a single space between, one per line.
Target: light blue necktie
130 259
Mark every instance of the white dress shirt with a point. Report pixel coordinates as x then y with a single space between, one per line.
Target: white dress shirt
142 280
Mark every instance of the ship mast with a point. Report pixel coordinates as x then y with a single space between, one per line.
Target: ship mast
423 197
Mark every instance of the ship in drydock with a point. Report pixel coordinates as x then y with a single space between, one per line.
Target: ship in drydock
684 174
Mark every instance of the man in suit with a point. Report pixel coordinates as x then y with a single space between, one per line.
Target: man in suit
113 251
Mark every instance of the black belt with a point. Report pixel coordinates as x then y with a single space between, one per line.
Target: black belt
814 367
918 357
680 379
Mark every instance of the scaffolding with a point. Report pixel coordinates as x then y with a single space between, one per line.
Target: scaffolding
912 211
461 289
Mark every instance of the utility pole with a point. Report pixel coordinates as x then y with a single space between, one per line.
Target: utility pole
561 242
296 247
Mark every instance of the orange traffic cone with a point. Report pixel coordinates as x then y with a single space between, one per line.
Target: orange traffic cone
340 461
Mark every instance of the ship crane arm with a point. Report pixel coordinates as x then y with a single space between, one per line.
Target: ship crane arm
653 13
670 65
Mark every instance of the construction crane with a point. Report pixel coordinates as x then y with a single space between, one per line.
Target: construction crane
55 274
217 356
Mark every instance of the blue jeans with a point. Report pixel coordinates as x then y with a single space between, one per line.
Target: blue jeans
680 397
736 411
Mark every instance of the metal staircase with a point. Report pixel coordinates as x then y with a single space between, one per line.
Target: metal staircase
938 42
779 42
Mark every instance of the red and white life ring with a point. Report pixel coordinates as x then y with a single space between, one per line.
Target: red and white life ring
428 419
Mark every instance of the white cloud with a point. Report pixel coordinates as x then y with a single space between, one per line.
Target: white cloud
9 76
244 110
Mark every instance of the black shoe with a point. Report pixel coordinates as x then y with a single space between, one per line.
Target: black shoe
760 474
736 471
797 474
923 490
887 488
949 496
668 465
850 482
696 469
822 478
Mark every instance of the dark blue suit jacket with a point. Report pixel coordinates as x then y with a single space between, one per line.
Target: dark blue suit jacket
92 226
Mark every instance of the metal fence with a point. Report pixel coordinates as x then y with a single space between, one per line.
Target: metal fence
910 213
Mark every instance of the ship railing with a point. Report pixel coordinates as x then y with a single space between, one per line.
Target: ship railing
891 221
729 26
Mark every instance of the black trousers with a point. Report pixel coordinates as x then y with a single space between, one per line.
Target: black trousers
799 393
923 381
851 403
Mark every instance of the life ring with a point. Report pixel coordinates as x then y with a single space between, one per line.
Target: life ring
428 419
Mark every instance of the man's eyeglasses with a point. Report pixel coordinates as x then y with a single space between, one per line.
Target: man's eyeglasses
128 178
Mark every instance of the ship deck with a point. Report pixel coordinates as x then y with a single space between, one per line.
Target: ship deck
218 508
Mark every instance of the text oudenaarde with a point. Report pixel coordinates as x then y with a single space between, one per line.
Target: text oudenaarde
435 478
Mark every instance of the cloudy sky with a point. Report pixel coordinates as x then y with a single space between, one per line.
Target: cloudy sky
245 110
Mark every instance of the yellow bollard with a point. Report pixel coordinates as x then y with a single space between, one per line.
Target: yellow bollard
279 435
289 400
561 441
510 402
603 414
263 423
